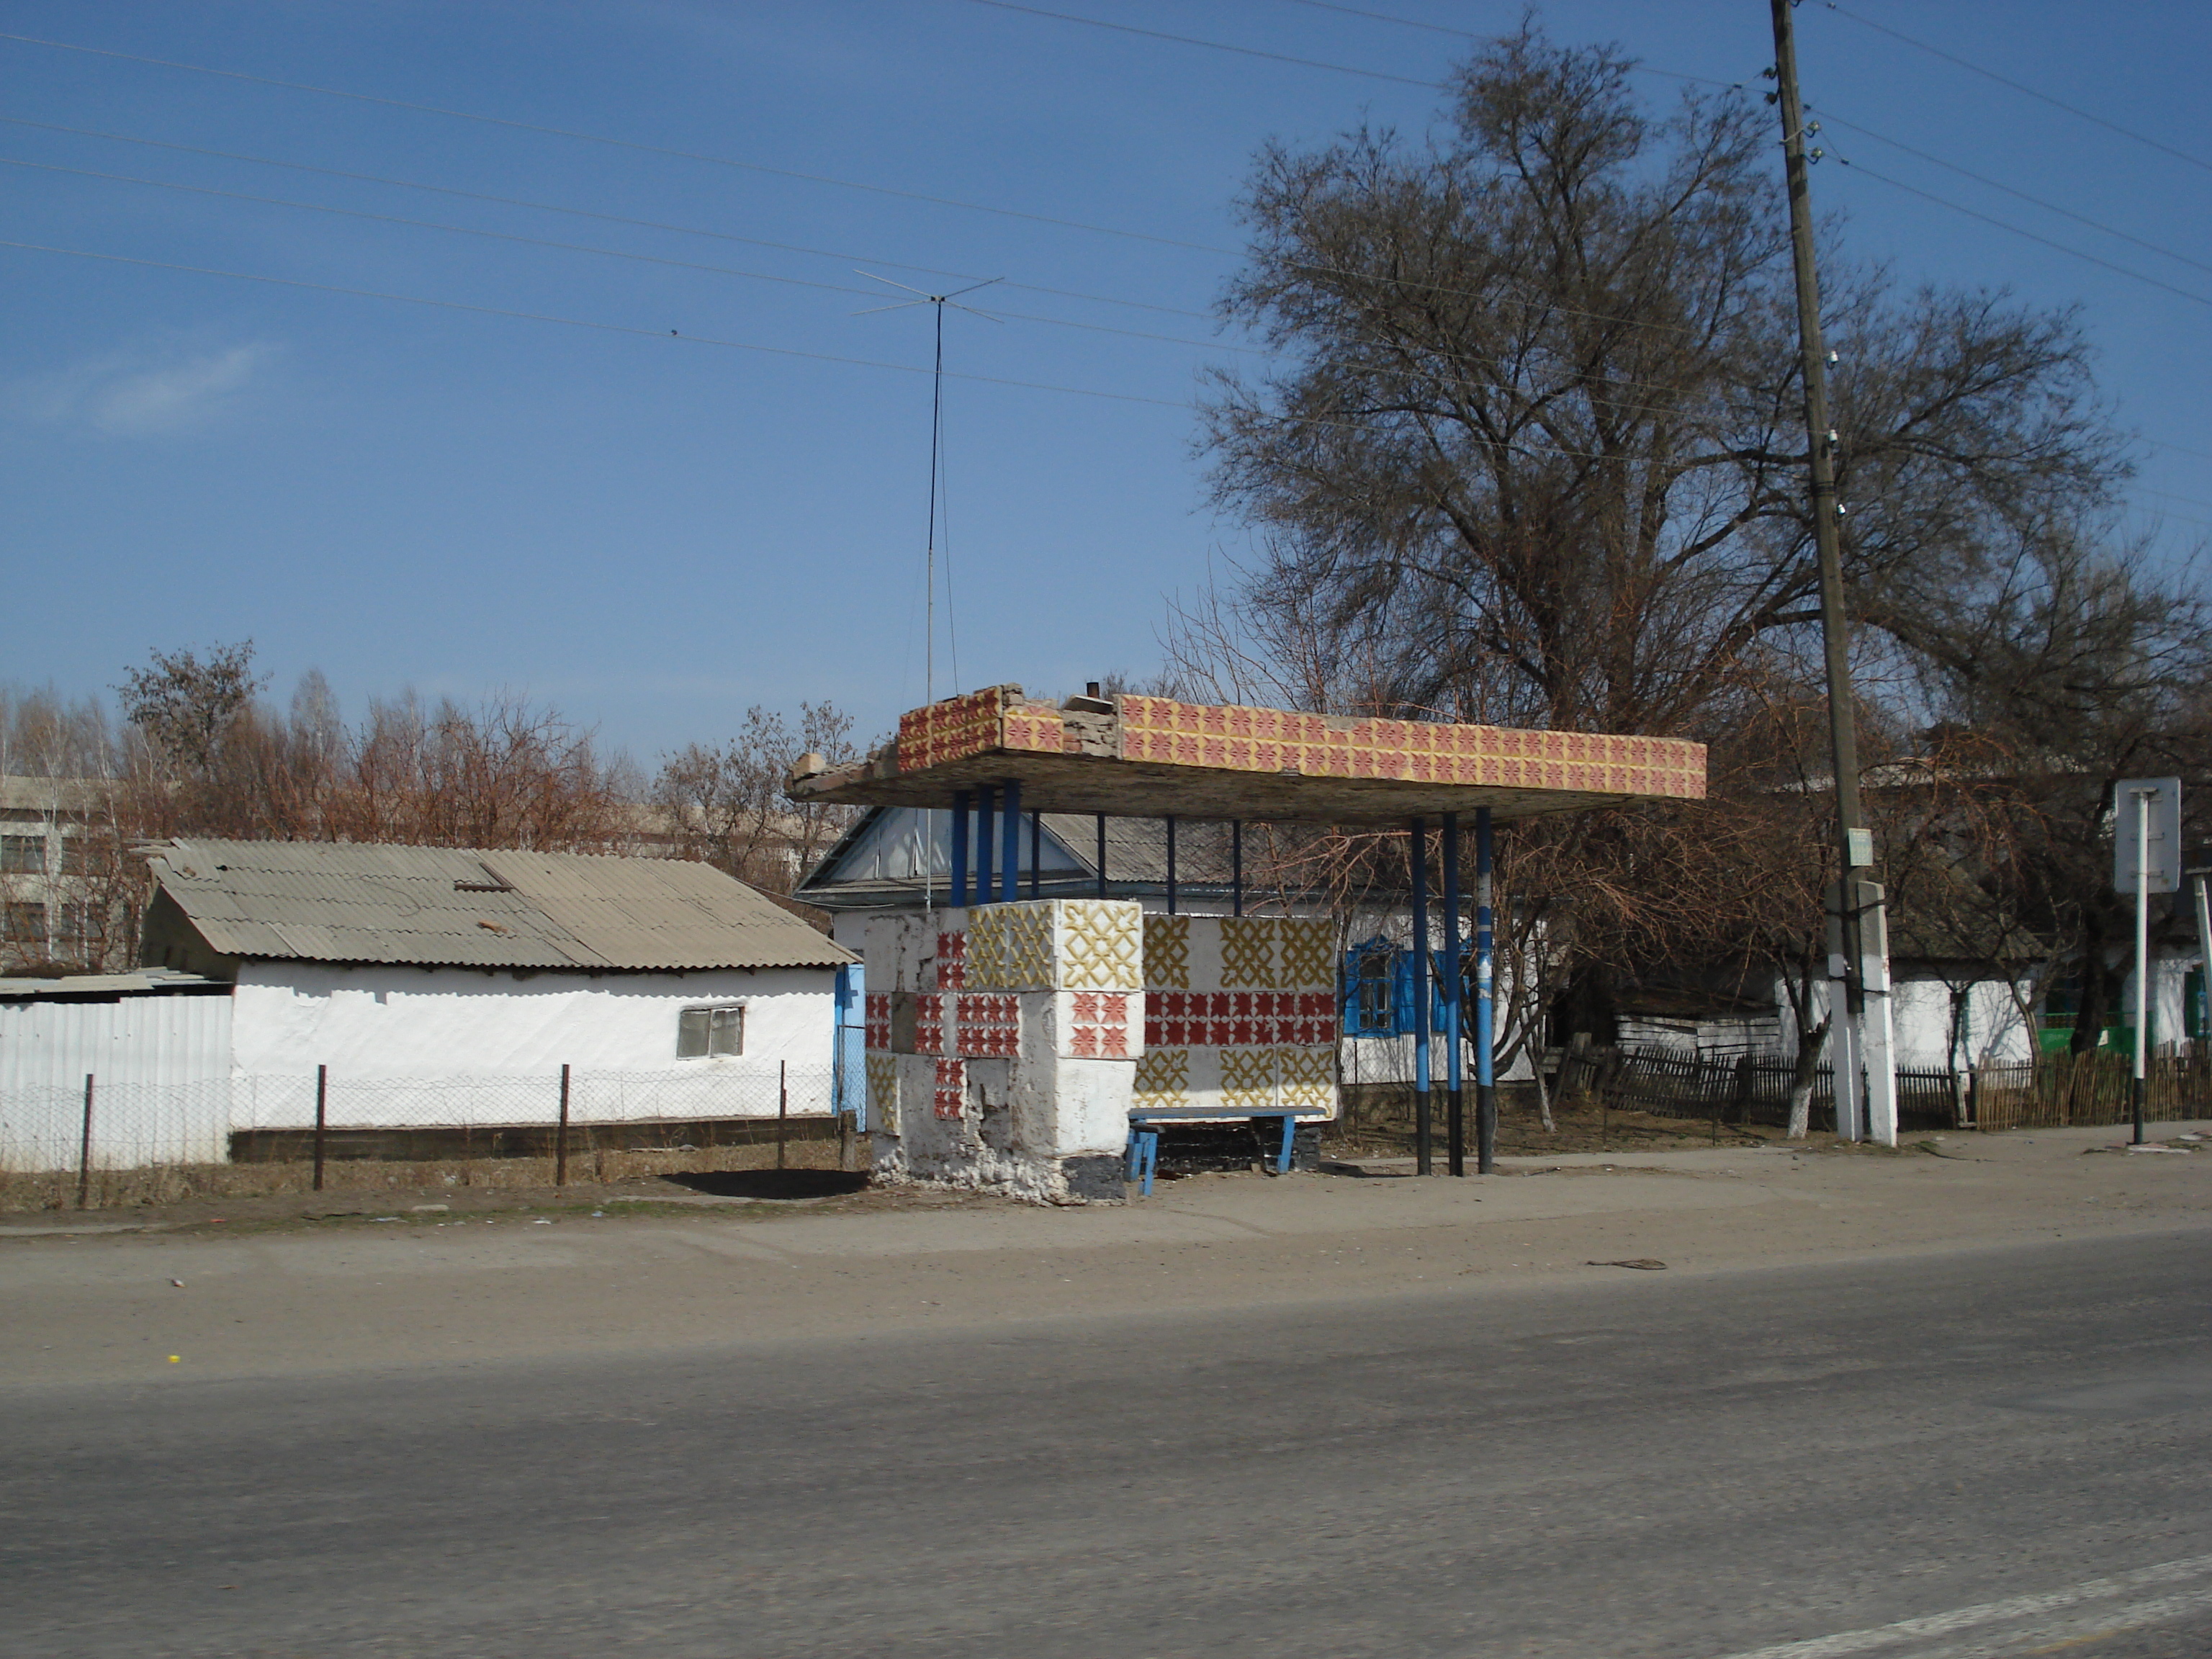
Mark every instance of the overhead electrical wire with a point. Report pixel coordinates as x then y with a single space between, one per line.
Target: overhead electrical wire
591 213
619 143
1306 63
2022 230
1834 119
1008 5
604 253
1973 68
761 168
681 337
1210 45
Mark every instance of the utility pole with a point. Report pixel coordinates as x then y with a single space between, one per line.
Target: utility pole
1855 896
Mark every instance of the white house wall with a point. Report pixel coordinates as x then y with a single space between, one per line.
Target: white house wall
162 1066
1994 1034
377 1028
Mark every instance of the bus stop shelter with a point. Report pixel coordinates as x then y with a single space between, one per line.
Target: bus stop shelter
989 757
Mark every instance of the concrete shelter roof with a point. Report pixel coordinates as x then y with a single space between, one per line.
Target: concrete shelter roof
1157 757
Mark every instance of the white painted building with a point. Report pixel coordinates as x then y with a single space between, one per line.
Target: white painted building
436 987
396 963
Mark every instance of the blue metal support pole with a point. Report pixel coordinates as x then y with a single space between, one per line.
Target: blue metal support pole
961 806
1454 1000
1236 867
1010 816
1171 867
1036 853
1485 1021
984 821
1101 855
1417 862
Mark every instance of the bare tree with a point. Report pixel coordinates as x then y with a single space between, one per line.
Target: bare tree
185 707
725 804
1537 461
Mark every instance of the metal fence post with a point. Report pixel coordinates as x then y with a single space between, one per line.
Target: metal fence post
782 1106
560 1139
84 1151
322 1104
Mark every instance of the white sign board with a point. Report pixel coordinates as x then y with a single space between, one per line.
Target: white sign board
2158 799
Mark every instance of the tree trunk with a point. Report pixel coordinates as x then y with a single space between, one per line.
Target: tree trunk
1802 1079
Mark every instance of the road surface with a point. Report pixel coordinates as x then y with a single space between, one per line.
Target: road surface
1977 1451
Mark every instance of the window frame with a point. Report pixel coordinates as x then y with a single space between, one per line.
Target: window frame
14 846
713 1020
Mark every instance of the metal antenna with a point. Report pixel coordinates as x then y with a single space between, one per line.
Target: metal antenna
938 302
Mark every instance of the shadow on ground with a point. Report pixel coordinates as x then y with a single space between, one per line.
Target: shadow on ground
771 1183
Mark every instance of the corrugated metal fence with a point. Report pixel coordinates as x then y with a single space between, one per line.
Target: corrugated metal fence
123 1125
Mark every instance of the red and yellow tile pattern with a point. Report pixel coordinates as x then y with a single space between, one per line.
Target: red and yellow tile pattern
1242 739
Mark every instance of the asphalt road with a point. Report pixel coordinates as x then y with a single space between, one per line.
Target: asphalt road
2005 1449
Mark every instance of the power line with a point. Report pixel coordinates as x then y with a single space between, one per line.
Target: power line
2018 230
637 332
580 322
1211 45
1385 18
2018 86
619 143
1309 62
590 213
712 340
2021 195
604 253
783 173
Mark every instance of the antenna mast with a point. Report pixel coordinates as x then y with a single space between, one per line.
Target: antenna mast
938 302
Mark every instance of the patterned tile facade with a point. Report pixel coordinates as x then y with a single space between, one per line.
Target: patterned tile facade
1167 953
1305 956
883 1092
953 729
1100 1027
1223 1019
929 1022
877 1015
952 961
952 1099
1248 951
1239 738
1162 1079
1244 739
1010 947
986 1024
1102 945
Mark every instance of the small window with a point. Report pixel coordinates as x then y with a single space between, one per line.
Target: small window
23 855
23 924
701 1032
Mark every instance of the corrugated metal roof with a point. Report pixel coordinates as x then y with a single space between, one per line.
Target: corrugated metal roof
454 906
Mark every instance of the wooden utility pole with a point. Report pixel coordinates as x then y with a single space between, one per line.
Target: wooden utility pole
1854 847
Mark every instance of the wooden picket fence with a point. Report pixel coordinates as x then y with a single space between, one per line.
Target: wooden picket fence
2057 1090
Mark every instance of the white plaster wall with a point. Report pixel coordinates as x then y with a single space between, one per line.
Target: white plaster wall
420 1023
2169 978
1920 1010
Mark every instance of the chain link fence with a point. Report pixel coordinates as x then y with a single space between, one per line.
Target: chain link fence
277 1132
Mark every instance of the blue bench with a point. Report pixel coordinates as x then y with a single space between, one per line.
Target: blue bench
1141 1158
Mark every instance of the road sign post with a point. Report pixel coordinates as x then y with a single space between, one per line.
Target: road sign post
2145 857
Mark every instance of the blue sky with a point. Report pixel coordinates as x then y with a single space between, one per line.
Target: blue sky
653 531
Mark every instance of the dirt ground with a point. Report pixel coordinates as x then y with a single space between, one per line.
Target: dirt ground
1580 1125
257 1197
